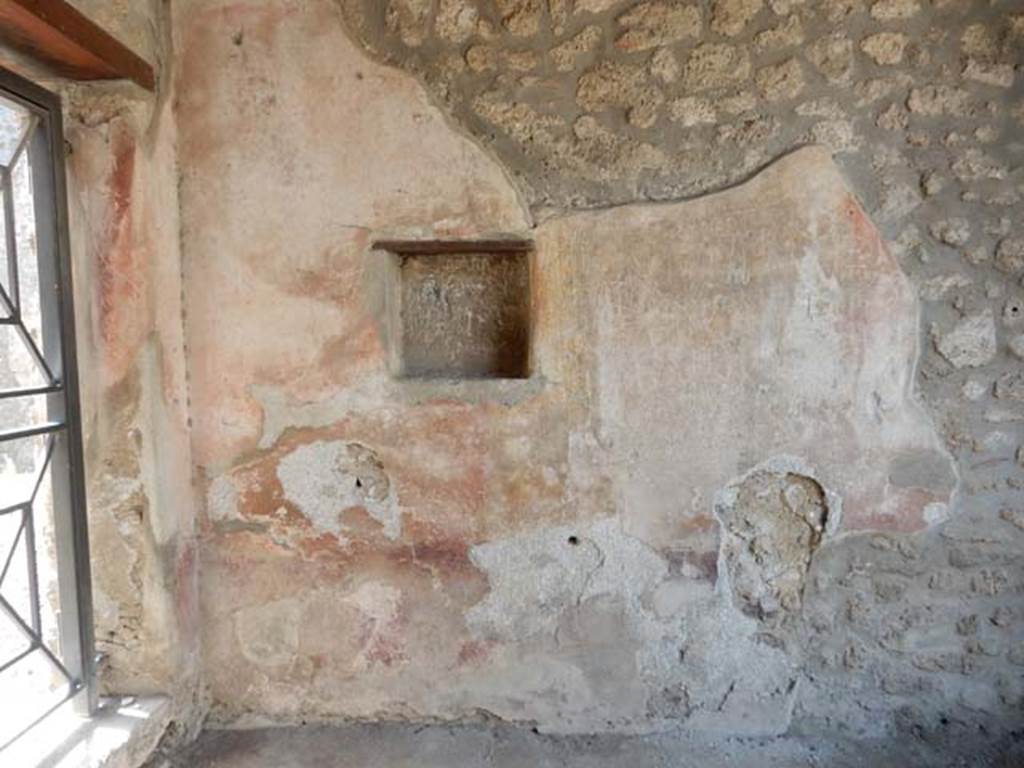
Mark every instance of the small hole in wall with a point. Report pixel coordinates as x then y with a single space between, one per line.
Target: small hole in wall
574 540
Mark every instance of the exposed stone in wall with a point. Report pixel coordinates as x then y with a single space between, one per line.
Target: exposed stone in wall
545 550
741 49
773 522
400 579
933 624
922 104
650 24
556 560
120 547
970 343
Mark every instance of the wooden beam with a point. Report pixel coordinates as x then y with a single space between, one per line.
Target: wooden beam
69 42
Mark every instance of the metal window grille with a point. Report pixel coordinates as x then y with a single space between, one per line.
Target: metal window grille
46 643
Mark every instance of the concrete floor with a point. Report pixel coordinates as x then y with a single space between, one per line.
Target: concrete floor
401 746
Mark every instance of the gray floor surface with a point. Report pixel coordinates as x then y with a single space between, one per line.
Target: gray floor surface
407 746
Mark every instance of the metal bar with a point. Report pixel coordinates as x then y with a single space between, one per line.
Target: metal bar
27 630
12 312
11 240
33 570
67 467
7 394
32 120
19 622
11 662
41 429
14 548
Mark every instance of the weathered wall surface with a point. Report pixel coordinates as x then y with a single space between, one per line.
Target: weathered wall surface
591 102
716 501
124 231
122 201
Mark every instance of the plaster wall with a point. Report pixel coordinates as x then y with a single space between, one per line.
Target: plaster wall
124 231
765 473
717 502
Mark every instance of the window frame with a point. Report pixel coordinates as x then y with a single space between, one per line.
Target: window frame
71 541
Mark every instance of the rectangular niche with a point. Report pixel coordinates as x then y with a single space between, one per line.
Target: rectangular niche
459 309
